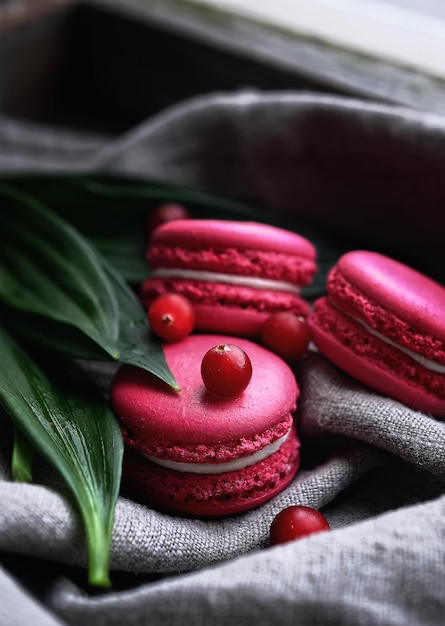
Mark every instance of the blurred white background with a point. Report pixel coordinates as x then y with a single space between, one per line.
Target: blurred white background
409 32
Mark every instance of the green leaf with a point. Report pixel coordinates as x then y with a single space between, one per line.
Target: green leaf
56 336
22 457
49 270
71 425
137 346
58 291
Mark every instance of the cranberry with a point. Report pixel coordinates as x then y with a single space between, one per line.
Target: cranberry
171 316
295 522
226 370
286 334
165 213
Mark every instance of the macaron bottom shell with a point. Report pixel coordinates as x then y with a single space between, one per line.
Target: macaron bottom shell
229 320
224 308
206 495
374 362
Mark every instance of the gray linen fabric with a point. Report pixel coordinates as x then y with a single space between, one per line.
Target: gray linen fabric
375 467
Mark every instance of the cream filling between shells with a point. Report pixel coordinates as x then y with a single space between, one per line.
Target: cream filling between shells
220 468
428 364
230 279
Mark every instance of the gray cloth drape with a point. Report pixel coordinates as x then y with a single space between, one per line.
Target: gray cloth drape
375 467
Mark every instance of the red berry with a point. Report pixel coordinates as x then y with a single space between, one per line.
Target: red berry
286 334
295 522
165 213
171 316
226 370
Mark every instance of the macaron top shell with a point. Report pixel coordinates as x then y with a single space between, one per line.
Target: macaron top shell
194 425
233 248
225 233
392 298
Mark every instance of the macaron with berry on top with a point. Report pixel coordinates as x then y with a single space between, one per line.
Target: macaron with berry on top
383 323
234 273
225 443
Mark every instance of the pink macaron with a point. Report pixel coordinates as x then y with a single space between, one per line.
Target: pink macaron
200 454
234 273
383 323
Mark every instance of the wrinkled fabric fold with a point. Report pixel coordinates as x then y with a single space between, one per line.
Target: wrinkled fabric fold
312 582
